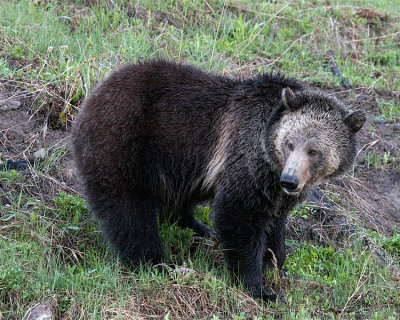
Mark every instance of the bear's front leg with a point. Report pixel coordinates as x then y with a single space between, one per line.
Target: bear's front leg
241 231
274 256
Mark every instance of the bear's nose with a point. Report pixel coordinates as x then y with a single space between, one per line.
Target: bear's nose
289 182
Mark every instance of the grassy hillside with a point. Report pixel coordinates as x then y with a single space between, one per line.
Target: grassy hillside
343 263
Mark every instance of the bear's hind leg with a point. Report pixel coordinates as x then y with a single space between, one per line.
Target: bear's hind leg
202 229
186 219
130 225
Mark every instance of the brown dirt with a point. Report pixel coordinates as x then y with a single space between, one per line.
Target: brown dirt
372 194
23 132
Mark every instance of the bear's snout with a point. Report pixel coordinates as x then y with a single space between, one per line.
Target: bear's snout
289 182
296 174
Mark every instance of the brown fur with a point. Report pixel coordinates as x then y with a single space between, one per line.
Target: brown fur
160 137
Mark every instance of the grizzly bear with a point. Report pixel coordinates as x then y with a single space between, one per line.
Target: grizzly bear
158 137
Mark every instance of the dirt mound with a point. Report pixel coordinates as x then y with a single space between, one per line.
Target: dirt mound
373 192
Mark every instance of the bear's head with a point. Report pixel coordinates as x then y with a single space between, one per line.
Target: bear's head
314 139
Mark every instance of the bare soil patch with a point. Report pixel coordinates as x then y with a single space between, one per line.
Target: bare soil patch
24 132
374 190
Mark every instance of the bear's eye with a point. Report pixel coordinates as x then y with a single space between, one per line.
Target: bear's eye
290 146
312 153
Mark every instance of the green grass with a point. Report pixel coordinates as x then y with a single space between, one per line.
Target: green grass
53 251
58 255
390 111
381 162
50 247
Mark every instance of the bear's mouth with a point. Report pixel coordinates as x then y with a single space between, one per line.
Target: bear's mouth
294 192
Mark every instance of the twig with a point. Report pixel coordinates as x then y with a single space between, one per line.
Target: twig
336 71
209 7
359 285
373 38
58 183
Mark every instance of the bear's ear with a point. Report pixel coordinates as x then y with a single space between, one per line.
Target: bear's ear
355 120
290 100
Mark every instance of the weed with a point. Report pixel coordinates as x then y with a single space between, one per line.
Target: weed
392 244
203 214
303 210
10 176
72 215
51 160
11 280
71 206
177 240
17 52
372 159
5 69
390 111
316 263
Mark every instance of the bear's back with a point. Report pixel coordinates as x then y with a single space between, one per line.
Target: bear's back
155 116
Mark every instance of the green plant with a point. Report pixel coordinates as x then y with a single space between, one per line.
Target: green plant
317 263
303 210
71 206
52 158
372 160
390 111
16 52
177 240
10 176
11 280
203 214
392 244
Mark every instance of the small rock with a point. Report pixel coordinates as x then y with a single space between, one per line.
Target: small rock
40 154
40 311
8 104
